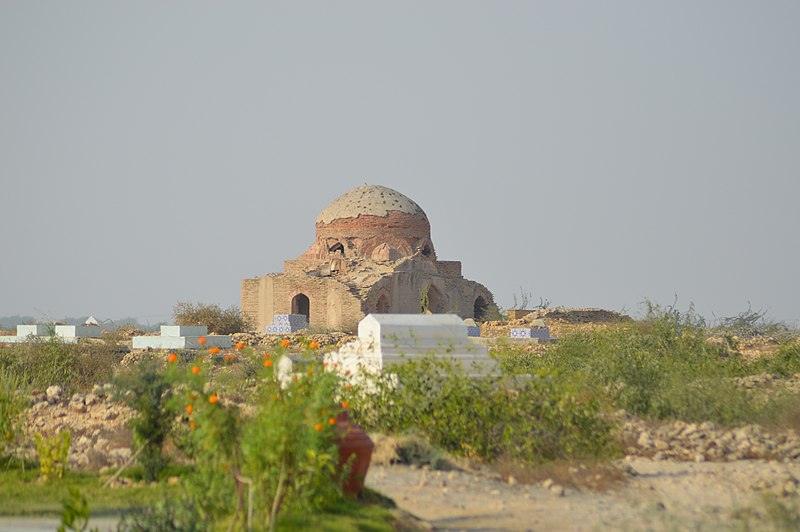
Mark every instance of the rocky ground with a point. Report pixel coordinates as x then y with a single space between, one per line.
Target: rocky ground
654 495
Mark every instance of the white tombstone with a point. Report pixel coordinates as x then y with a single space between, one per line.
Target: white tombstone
388 339
184 330
181 337
35 330
78 331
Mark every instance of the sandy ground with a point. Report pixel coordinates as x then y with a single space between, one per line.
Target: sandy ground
657 495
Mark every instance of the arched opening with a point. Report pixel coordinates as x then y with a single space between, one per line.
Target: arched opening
479 309
426 251
382 306
436 301
337 247
301 305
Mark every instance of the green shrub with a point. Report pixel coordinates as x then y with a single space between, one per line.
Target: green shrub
279 457
532 420
218 320
12 404
53 452
45 362
661 367
784 362
145 389
165 516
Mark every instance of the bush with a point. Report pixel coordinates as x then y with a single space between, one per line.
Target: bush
661 367
45 362
218 321
12 404
531 420
280 456
53 452
145 389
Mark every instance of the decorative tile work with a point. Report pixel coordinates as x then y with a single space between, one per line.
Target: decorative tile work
473 330
287 323
542 333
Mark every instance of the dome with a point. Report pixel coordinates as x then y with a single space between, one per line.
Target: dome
368 200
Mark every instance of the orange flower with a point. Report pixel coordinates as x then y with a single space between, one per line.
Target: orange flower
192 425
266 355
285 343
189 409
267 363
311 372
332 421
172 358
213 399
325 364
318 426
313 345
347 387
345 404
214 350
195 369
239 346
201 340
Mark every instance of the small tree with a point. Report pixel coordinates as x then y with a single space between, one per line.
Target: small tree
145 389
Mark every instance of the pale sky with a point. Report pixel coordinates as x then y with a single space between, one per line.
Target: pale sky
593 153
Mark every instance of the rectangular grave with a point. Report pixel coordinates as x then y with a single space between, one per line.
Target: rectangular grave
180 342
388 339
78 331
184 330
35 330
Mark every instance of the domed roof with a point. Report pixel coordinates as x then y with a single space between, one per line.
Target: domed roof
368 199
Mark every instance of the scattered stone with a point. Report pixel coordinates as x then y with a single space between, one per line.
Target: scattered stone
54 393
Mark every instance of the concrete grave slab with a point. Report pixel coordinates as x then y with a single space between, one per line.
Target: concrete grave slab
388 339
184 330
78 331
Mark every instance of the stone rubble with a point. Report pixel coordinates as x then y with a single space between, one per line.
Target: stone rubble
704 442
96 424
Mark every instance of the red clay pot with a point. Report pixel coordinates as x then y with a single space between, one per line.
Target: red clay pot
353 441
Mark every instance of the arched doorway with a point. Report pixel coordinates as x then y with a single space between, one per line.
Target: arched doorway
337 247
479 309
301 305
382 306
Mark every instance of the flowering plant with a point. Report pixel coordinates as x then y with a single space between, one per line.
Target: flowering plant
272 448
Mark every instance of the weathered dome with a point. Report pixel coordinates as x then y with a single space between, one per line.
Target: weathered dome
368 200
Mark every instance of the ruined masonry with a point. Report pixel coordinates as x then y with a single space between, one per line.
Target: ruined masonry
373 253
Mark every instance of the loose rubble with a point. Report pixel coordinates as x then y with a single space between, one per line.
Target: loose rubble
96 424
704 442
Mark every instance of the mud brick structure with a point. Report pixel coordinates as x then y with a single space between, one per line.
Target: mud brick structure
373 253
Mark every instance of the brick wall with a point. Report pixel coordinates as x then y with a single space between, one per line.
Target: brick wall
361 235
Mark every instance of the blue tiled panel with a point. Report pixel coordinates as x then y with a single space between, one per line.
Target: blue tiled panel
542 333
287 323
473 330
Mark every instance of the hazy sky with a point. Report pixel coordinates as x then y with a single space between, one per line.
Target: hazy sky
592 153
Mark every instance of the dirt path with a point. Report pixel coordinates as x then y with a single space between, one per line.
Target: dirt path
657 495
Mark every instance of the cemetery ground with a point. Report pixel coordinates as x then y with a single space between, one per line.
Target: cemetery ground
661 423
